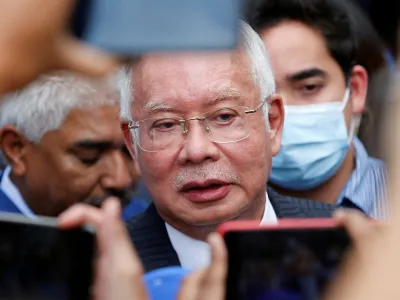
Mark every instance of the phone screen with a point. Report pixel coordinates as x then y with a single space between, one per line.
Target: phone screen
44 262
292 264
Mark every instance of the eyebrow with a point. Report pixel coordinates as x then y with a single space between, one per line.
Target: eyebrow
154 106
226 94
305 74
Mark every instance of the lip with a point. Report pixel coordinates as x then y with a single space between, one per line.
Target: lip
206 191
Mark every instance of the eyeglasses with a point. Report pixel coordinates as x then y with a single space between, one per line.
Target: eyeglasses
226 125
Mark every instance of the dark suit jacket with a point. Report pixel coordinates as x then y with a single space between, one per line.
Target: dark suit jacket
6 205
154 247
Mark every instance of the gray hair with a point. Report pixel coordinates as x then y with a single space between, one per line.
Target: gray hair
260 69
43 105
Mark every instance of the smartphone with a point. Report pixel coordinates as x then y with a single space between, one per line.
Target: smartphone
133 27
292 260
40 261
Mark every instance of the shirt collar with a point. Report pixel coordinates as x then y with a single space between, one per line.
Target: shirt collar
352 190
194 254
12 192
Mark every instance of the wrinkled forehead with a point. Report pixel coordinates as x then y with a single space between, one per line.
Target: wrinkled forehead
180 78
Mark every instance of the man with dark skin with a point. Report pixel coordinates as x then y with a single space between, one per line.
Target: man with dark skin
61 138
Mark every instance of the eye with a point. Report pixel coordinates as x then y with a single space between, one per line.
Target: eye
89 157
224 116
166 124
311 88
89 161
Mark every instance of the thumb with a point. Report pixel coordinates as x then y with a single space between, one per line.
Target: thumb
191 285
79 57
213 286
357 225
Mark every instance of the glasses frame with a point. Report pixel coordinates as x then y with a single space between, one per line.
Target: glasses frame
132 125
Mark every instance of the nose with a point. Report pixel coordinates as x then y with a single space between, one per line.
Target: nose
197 146
117 175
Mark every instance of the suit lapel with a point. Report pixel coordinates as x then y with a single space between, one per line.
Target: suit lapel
151 240
290 207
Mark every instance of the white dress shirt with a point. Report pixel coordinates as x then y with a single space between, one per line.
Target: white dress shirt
12 192
195 254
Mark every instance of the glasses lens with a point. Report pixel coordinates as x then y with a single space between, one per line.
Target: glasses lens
158 134
222 126
228 124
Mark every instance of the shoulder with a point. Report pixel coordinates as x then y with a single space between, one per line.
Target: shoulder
374 174
366 164
146 225
378 165
292 207
149 235
136 207
139 222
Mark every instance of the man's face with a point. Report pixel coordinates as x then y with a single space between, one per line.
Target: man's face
84 161
200 182
305 71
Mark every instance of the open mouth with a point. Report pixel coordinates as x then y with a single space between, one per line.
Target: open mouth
206 191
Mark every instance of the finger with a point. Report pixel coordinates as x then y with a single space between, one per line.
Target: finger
190 286
114 240
113 228
79 215
112 208
214 282
77 56
357 224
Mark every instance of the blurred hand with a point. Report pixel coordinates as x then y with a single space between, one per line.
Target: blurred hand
208 284
34 39
118 271
371 268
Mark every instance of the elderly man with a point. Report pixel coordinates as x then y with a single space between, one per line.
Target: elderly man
324 91
204 128
61 138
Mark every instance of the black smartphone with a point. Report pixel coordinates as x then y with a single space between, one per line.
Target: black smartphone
293 260
132 27
40 261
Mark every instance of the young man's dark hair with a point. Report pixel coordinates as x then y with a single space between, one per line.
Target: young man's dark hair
326 16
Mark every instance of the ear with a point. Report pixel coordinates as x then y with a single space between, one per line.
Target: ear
14 147
276 118
129 142
359 89
128 139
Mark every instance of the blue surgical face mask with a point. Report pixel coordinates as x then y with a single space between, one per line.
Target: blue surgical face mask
315 142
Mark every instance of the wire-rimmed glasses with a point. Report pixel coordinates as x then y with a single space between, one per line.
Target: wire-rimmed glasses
224 125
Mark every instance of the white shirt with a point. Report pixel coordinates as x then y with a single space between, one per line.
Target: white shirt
195 254
12 192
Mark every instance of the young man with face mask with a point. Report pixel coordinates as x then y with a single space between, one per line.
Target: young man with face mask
312 47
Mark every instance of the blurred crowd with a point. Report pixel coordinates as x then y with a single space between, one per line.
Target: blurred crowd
291 124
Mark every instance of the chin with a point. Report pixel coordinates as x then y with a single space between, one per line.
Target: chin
212 218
